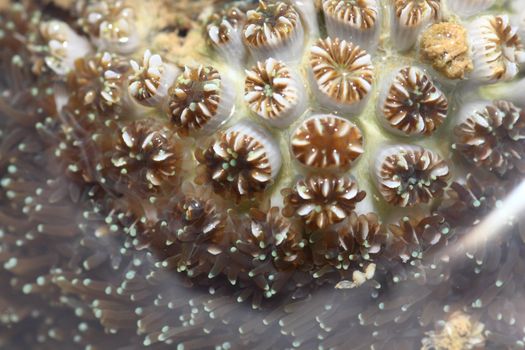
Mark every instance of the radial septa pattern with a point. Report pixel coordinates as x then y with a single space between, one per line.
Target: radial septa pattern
321 201
497 49
410 175
65 46
412 105
350 246
273 92
242 161
355 21
491 135
97 82
273 29
145 153
342 73
151 79
409 17
200 100
327 142
111 24
224 32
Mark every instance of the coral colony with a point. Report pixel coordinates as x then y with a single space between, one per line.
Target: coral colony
294 174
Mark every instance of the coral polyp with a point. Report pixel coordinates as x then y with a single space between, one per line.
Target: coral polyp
65 46
145 154
273 92
242 161
414 235
328 174
197 224
151 79
97 82
491 136
410 175
497 49
200 100
322 200
412 104
224 32
470 7
409 17
327 142
111 24
357 20
275 247
343 74
273 28
350 246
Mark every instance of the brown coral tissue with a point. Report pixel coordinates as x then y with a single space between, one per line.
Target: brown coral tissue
273 174
322 200
492 137
408 175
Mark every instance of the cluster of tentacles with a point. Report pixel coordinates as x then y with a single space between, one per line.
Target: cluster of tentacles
105 244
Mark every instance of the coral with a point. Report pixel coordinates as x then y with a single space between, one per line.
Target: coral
275 247
497 49
409 18
190 233
21 35
470 200
322 200
64 46
223 31
273 92
359 14
412 104
327 142
222 25
412 12
412 236
357 241
272 26
470 7
410 175
24 100
199 100
359 20
96 82
238 162
150 82
145 154
343 73
491 137
191 182
110 23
